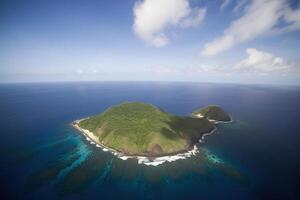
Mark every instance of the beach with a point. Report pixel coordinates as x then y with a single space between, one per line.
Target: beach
89 136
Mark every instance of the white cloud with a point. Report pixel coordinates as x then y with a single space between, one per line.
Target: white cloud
261 62
152 17
260 18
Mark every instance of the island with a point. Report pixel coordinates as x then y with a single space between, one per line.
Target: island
213 113
140 129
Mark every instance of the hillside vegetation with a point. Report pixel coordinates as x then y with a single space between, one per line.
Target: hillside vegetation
143 129
213 112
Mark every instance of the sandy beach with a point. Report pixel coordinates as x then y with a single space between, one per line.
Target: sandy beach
91 137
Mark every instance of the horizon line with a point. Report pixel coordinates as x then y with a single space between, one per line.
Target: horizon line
143 81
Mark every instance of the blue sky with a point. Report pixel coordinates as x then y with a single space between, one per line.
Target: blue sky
245 41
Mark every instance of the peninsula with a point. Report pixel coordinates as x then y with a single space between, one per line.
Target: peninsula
140 129
212 113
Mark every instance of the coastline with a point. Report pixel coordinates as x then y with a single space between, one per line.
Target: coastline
147 160
89 136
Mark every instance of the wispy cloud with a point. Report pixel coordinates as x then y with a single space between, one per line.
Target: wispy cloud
239 5
261 17
256 63
81 71
224 4
152 17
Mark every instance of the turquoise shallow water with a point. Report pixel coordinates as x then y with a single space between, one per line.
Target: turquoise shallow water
255 157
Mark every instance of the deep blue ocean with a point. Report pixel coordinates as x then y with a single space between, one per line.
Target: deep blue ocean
43 157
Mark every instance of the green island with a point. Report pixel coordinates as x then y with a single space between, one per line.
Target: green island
213 113
140 129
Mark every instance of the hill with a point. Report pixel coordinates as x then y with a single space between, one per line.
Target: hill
143 129
213 112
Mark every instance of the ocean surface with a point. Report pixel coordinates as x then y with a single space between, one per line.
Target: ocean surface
255 157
